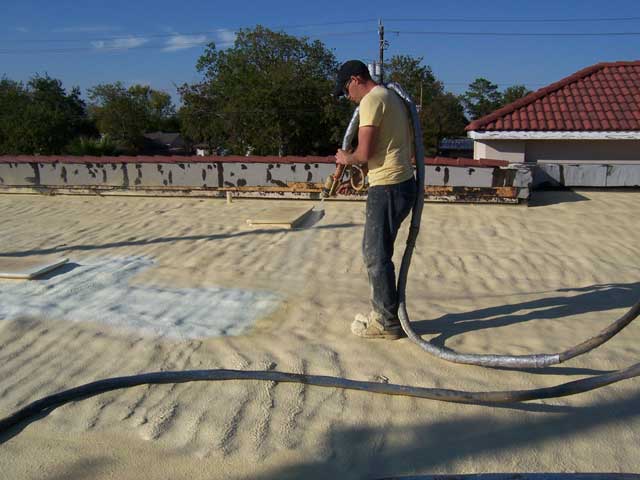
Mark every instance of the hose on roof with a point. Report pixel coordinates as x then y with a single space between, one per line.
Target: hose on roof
450 355
47 404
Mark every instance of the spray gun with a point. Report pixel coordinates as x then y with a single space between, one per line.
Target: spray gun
347 178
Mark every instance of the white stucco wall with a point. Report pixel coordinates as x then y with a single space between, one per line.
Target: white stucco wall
583 151
511 150
612 151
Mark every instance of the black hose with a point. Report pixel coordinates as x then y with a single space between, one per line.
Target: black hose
46 404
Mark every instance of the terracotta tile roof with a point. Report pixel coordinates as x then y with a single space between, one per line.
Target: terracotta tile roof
603 97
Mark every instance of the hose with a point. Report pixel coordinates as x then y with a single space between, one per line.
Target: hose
450 355
51 402
48 403
352 173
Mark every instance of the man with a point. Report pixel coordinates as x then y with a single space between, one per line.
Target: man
385 145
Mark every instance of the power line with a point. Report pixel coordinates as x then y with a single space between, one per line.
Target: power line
117 37
124 48
335 23
170 35
169 47
518 34
326 24
516 20
500 84
105 49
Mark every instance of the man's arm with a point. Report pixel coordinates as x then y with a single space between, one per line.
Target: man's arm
367 137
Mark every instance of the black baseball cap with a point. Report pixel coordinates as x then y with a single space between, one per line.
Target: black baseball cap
346 71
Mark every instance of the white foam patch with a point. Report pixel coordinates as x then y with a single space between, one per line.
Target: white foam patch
99 291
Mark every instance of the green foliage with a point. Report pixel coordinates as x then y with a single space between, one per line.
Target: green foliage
481 98
416 79
270 92
441 113
157 105
39 118
443 117
95 147
513 93
125 115
199 115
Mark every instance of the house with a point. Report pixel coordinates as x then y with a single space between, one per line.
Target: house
583 130
163 143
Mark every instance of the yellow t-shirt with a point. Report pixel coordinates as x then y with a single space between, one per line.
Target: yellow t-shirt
391 160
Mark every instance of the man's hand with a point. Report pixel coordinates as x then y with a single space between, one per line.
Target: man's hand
367 136
342 157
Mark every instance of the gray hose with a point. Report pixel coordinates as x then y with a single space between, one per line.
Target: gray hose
352 130
485 360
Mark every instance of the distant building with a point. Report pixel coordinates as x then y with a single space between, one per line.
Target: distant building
583 130
456 148
162 143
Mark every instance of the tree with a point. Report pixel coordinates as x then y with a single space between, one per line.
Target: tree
126 115
95 147
481 98
513 93
14 101
200 116
416 79
443 118
158 106
41 117
269 92
441 113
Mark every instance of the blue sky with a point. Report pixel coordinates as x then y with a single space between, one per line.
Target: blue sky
158 42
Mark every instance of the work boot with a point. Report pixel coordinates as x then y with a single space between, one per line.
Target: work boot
372 326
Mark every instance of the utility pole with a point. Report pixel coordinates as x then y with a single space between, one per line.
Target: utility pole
382 47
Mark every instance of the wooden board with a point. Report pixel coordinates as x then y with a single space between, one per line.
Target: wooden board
280 217
27 268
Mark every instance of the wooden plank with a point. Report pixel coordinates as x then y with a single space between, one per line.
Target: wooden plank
25 268
280 217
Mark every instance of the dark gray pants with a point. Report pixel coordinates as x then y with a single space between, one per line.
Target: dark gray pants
387 207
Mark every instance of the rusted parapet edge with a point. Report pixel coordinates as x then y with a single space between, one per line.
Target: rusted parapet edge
510 195
166 159
432 194
461 199
473 192
446 161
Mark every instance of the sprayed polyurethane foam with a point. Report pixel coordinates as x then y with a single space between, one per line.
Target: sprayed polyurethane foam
100 291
